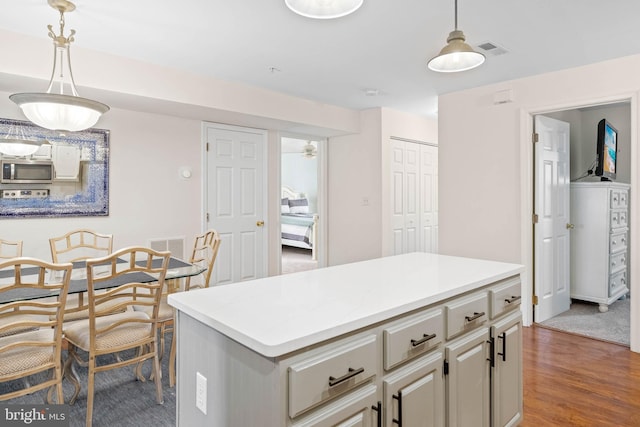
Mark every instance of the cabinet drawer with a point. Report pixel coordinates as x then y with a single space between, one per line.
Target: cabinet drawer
615 219
623 218
466 314
617 281
411 337
504 297
615 198
624 199
330 373
617 262
618 242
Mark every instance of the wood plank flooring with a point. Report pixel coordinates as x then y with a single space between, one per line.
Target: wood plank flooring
571 380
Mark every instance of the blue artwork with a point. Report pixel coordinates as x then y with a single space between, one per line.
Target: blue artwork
69 176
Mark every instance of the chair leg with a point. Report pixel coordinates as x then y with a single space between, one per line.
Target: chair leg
157 378
172 360
90 390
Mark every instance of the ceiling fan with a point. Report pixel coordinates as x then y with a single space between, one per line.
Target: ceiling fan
309 150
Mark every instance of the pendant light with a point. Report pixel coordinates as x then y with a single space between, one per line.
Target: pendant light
323 9
60 108
17 143
457 55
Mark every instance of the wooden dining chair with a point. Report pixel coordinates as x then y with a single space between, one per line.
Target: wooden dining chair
204 253
112 327
31 325
74 246
9 249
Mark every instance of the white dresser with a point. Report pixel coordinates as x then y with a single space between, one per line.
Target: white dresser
599 241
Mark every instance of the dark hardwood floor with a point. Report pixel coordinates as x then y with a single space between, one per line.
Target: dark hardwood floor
571 380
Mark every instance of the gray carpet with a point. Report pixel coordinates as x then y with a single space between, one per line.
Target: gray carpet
120 400
584 318
297 259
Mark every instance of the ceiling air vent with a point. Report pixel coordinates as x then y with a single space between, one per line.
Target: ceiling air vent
490 48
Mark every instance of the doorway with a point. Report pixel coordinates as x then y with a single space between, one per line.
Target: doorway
590 211
301 203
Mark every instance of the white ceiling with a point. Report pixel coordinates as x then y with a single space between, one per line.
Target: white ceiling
383 46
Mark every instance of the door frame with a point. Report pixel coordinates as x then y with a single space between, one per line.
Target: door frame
265 175
322 235
526 202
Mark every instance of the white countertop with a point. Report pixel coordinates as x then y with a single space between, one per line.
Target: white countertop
276 315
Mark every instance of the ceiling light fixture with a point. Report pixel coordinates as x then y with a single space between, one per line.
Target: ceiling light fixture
57 110
456 55
16 144
323 9
309 151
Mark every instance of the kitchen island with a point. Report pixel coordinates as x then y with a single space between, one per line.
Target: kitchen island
412 335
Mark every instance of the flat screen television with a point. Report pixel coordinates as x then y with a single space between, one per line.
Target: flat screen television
607 151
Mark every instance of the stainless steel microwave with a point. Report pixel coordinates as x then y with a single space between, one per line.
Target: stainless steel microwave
26 172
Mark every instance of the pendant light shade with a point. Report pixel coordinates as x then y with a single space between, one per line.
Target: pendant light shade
457 55
18 141
323 9
60 107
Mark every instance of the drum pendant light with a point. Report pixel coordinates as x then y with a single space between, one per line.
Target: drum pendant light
457 55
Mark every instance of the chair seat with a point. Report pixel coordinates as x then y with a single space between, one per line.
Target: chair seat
79 332
20 319
165 311
22 359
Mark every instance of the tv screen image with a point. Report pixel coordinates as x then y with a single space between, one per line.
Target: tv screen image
607 150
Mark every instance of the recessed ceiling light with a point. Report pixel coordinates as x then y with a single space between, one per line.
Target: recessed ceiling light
371 92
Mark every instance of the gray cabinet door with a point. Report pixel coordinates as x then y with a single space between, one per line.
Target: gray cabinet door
506 387
468 381
414 394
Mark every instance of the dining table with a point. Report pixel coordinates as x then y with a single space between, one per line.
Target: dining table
177 269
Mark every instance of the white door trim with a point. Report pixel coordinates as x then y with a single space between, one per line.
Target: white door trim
526 203
205 167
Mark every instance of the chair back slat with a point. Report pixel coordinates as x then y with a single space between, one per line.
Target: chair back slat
33 293
204 254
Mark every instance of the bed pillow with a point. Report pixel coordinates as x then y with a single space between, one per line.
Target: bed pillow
298 206
284 206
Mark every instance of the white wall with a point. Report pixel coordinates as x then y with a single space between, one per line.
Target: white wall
485 164
147 197
301 174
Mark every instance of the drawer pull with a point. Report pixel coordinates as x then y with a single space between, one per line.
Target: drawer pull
503 337
399 399
475 316
352 373
513 299
422 340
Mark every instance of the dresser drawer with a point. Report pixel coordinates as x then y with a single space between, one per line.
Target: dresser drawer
411 337
505 296
615 219
617 262
331 372
466 314
618 242
617 281
623 218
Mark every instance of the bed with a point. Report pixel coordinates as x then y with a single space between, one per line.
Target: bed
298 226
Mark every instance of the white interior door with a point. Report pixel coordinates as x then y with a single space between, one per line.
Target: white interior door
429 198
551 205
414 196
235 200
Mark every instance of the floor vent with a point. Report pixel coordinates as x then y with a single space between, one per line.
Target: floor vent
174 245
490 48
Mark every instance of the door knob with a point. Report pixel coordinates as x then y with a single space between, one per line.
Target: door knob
260 223
570 226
